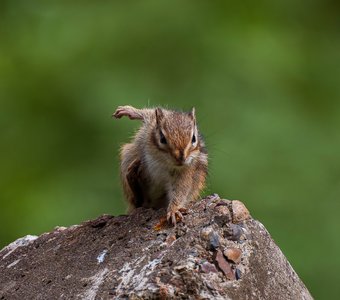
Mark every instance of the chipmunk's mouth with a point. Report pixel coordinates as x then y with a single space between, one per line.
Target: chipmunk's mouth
183 163
180 159
179 164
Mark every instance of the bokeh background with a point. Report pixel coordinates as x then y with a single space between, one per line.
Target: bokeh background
264 78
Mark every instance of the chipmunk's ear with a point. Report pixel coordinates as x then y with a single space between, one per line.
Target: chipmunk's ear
159 115
193 114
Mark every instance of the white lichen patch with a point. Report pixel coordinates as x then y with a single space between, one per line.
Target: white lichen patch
142 278
96 282
127 273
101 257
136 279
24 241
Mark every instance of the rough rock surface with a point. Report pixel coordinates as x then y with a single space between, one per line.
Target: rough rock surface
141 257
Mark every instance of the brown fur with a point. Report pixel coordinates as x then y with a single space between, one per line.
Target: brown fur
168 174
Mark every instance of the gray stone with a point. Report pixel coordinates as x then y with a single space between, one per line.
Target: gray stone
214 241
124 258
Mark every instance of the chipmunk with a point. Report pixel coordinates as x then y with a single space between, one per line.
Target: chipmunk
166 163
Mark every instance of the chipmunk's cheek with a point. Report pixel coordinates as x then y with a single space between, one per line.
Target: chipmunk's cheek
191 157
188 161
169 159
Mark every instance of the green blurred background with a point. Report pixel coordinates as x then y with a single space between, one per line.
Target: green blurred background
263 76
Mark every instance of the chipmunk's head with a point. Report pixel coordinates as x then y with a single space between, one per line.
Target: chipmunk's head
176 136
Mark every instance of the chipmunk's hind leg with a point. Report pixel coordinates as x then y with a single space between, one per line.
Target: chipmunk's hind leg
133 180
130 176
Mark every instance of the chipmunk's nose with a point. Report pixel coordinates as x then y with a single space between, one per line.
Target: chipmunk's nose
180 157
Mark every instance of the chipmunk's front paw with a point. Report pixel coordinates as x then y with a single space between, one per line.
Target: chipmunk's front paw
127 111
173 216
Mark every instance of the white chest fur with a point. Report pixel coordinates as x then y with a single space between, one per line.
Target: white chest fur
159 177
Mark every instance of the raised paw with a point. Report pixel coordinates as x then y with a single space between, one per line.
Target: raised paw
174 216
127 111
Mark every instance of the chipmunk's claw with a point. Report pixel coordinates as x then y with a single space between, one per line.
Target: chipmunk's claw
120 112
174 216
127 111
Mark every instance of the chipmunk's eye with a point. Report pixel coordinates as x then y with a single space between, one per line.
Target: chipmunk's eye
162 138
193 140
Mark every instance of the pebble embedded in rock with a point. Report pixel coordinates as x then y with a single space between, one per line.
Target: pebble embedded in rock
59 228
223 265
240 212
222 220
205 233
170 239
214 241
163 292
224 202
233 254
223 210
193 252
238 274
233 232
207 267
213 197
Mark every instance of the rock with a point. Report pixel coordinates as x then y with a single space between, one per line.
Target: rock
212 197
205 233
233 254
207 267
223 265
60 228
101 256
170 239
237 274
233 232
240 212
101 221
129 257
222 220
223 210
21 242
214 241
